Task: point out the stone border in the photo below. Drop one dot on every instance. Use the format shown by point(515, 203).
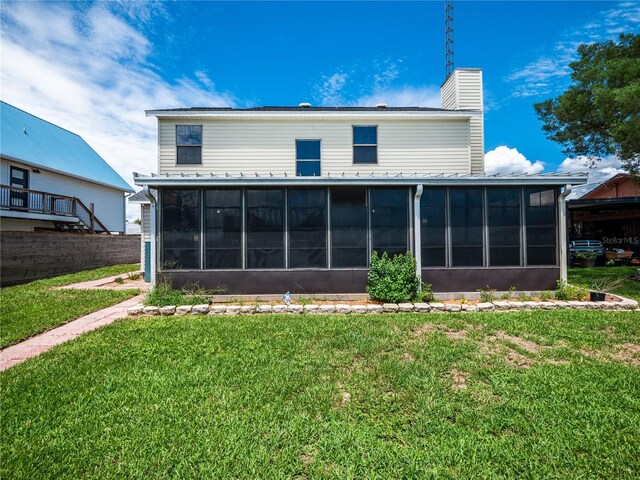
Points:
point(434, 307)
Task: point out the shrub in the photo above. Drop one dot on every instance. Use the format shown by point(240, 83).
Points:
point(426, 295)
point(393, 279)
point(564, 291)
point(546, 295)
point(487, 295)
point(163, 294)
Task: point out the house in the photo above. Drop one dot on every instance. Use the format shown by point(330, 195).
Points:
point(51, 179)
point(610, 213)
point(275, 199)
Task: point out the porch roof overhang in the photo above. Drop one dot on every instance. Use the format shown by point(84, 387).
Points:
point(369, 179)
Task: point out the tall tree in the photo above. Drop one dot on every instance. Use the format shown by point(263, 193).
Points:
point(599, 114)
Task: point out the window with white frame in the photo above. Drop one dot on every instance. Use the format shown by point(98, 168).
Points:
point(189, 144)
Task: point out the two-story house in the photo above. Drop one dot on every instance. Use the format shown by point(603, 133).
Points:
point(275, 199)
point(51, 179)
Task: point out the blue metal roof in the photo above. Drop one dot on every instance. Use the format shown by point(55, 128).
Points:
point(25, 137)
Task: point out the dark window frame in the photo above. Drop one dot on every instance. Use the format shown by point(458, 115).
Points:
point(209, 252)
point(190, 146)
point(356, 146)
point(335, 245)
point(294, 233)
point(162, 226)
point(308, 160)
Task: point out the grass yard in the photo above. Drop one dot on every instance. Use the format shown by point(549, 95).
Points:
point(585, 277)
point(537, 394)
point(32, 308)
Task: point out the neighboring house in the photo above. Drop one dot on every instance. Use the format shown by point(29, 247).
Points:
point(609, 213)
point(141, 199)
point(276, 199)
point(51, 179)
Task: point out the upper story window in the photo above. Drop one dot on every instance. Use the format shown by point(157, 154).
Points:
point(308, 158)
point(365, 144)
point(189, 144)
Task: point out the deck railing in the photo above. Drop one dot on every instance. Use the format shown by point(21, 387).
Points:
point(34, 201)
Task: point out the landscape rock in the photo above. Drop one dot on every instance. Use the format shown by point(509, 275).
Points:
point(452, 307)
point(280, 308)
point(327, 309)
point(390, 307)
point(217, 310)
point(135, 310)
point(502, 305)
point(439, 307)
point(151, 310)
point(358, 309)
point(422, 307)
point(247, 309)
point(202, 309)
point(168, 310)
point(374, 309)
point(232, 310)
point(469, 308)
point(343, 308)
point(296, 308)
point(405, 307)
point(312, 308)
point(183, 309)
point(485, 306)
point(265, 309)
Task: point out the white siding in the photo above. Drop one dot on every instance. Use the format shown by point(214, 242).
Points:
point(145, 224)
point(268, 145)
point(108, 202)
point(463, 91)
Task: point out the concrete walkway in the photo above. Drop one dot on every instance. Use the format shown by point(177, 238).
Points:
point(108, 283)
point(34, 346)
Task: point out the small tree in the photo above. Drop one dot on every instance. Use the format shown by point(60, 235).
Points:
point(599, 114)
point(393, 279)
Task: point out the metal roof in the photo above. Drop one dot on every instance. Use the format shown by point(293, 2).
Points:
point(255, 179)
point(138, 197)
point(32, 140)
point(303, 109)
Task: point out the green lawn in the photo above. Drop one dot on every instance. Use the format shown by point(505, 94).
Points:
point(504, 395)
point(33, 307)
point(585, 277)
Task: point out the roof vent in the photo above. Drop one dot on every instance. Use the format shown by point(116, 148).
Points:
point(304, 105)
point(381, 105)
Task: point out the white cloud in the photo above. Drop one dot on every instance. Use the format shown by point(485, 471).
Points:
point(87, 70)
point(548, 73)
point(503, 159)
point(405, 96)
point(598, 171)
point(329, 92)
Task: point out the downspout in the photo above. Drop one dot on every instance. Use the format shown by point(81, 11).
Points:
point(153, 232)
point(562, 220)
point(416, 234)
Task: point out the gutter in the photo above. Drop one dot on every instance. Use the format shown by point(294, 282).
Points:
point(153, 233)
point(562, 221)
point(416, 234)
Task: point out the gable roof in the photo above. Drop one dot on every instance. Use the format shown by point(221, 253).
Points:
point(609, 184)
point(30, 139)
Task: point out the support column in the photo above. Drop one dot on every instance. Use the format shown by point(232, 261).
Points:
point(562, 237)
point(417, 242)
point(153, 233)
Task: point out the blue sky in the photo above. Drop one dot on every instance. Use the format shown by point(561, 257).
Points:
point(94, 67)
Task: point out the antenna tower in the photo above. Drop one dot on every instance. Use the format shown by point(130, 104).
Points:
point(448, 22)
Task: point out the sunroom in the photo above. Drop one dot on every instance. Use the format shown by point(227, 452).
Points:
point(268, 234)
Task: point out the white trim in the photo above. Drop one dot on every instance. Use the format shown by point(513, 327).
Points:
point(289, 114)
point(62, 172)
point(37, 216)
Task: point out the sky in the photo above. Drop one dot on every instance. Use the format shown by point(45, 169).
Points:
point(94, 67)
